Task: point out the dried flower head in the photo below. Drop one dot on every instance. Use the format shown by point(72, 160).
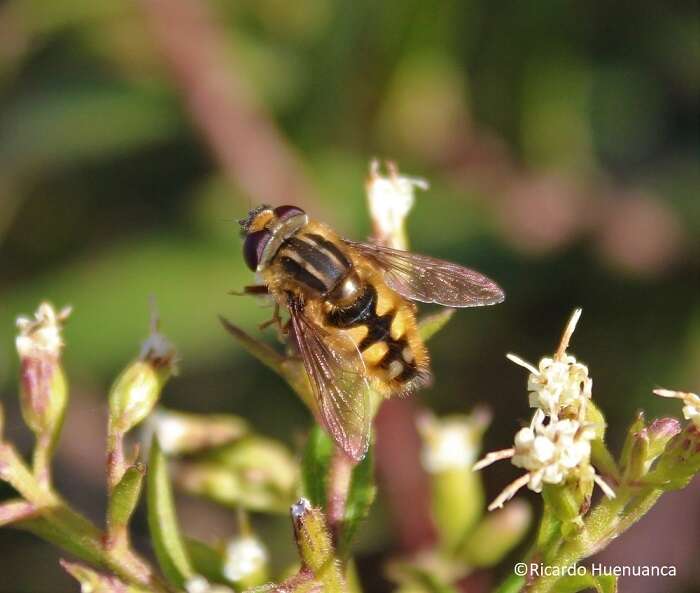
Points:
point(390, 200)
point(41, 336)
point(42, 382)
point(560, 385)
point(691, 401)
point(156, 349)
point(184, 433)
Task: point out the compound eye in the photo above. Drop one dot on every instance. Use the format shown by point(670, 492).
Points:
point(284, 212)
point(253, 247)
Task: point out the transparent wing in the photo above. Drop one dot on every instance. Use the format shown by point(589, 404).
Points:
point(430, 280)
point(338, 377)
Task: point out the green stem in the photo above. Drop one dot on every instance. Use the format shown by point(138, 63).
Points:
point(340, 474)
point(55, 521)
point(41, 461)
point(608, 520)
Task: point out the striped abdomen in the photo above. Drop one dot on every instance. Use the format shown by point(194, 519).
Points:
point(385, 343)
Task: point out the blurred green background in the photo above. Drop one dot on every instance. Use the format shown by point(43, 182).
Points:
point(561, 140)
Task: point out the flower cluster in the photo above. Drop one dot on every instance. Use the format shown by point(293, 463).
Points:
point(556, 447)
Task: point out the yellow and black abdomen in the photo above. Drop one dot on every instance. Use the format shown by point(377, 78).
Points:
point(383, 326)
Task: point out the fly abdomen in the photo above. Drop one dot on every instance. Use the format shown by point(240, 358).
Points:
point(313, 262)
point(396, 358)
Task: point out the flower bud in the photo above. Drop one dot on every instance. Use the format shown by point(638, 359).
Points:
point(183, 433)
point(645, 444)
point(245, 562)
point(255, 473)
point(497, 534)
point(680, 460)
point(636, 465)
point(450, 447)
point(660, 432)
point(137, 389)
point(315, 546)
point(42, 385)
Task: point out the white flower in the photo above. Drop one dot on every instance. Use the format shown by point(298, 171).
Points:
point(691, 409)
point(453, 442)
point(390, 200)
point(244, 556)
point(41, 336)
point(551, 453)
point(560, 383)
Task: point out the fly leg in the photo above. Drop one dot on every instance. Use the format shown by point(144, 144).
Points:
point(254, 289)
point(276, 320)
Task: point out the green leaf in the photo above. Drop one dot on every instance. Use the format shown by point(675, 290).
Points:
point(575, 583)
point(125, 497)
point(432, 324)
point(315, 466)
point(290, 369)
point(360, 498)
point(260, 350)
point(162, 521)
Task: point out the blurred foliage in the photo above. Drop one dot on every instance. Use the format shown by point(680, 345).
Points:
point(561, 141)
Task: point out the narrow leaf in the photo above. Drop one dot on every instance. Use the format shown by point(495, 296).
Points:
point(360, 498)
point(124, 498)
point(432, 324)
point(162, 520)
point(260, 350)
point(290, 369)
point(315, 466)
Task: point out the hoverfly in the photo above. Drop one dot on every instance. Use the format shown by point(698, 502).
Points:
point(350, 310)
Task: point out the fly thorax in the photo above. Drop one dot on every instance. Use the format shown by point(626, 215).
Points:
point(314, 262)
point(347, 291)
